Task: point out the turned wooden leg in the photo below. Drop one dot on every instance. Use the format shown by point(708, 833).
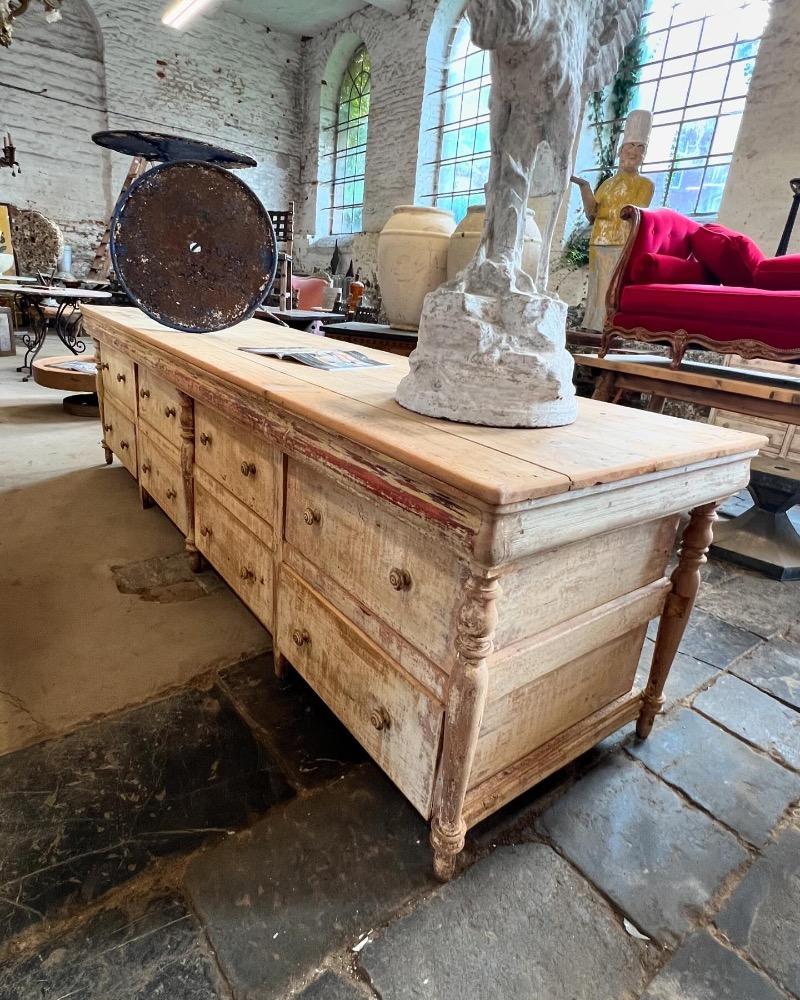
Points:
point(677, 608)
point(466, 698)
point(101, 365)
point(604, 390)
point(187, 475)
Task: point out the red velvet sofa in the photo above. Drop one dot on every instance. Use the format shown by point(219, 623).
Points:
point(683, 284)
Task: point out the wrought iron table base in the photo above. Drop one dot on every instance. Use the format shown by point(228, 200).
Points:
point(67, 329)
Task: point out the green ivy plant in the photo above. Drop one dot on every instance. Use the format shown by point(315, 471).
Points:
point(607, 111)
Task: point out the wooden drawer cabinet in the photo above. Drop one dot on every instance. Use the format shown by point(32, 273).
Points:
point(160, 476)
point(244, 463)
point(120, 435)
point(160, 406)
point(395, 720)
point(240, 558)
point(470, 601)
point(119, 378)
point(380, 559)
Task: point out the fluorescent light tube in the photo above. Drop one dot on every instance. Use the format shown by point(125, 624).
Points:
point(181, 12)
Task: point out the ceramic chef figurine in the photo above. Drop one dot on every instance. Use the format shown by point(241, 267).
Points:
point(602, 207)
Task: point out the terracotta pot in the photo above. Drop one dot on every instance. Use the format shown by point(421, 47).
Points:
point(412, 260)
point(464, 242)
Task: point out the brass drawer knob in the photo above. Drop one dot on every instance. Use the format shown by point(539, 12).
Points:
point(206, 532)
point(169, 411)
point(144, 393)
point(123, 445)
point(311, 516)
point(246, 573)
point(248, 469)
point(171, 494)
point(145, 467)
point(205, 439)
point(120, 377)
point(380, 719)
point(400, 579)
point(108, 427)
point(103, 366)
point(300, 637)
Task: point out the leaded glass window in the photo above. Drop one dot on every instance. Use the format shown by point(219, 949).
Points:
point(694, 75)
point(351, 147)
point(462, 165)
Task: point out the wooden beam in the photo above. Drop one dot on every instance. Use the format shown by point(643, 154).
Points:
point(392, 6)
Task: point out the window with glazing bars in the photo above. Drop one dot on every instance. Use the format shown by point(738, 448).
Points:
point(462, 165)
point(694, 73)
point(351, 147)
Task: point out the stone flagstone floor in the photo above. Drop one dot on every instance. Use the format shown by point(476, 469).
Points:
point(236, 844)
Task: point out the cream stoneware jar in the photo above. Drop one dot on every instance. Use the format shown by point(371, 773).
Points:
point(412, 260)
point(464, 242)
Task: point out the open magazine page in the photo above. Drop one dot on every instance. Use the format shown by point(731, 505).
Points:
point(326, 360)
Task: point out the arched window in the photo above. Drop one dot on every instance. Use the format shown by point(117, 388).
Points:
point(694, 73)
point(461, 167)
point(350, 156)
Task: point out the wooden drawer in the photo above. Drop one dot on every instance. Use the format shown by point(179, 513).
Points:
point(243, 462)
point(160, 406)
point(396, 721)
point(241, 559)
point(120, 435)
point(772, 429)
point(119, 377)
point(160, 474)
point(385, 563)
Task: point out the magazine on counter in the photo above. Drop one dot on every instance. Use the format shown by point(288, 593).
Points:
point(84, 367)
point(328, 361)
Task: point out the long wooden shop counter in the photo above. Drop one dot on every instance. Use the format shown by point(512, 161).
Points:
point(471, 602)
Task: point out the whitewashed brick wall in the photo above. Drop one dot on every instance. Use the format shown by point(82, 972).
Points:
point(113, 65)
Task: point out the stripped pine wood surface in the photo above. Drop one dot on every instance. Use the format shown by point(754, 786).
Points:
point(471, 602)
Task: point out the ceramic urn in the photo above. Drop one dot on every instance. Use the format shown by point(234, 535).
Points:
point(465, 239)
point(412, 260)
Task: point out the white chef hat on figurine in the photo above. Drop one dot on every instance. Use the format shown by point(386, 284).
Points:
point(637, 127)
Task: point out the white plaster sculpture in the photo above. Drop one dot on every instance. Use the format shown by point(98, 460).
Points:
point(491, 346)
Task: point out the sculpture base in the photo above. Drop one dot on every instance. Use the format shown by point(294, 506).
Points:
point(493, 361)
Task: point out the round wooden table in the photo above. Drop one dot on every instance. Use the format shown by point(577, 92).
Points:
point(46, 372)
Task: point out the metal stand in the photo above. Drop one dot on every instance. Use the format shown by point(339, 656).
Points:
point(764, 537)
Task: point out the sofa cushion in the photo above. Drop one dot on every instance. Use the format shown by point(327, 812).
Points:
point(731, 256)
point(662, 268)
point(779, 273)
point(714, 302)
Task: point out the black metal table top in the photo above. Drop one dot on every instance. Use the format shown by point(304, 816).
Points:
point(158, 146)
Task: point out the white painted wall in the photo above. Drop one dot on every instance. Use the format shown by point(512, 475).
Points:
point(114, 65)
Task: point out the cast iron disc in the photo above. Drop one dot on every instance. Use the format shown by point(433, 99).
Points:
point(171, 148)
point(193, 247)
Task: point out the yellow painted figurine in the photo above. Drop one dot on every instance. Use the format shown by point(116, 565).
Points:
point(602, 208)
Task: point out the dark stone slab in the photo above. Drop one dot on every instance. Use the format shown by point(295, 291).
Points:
point(91, 810)
point(165, 579)
point(658, 858)
point(744, 789)
point(295, 725)
point(124, 954)
point(702, 969)
point(752, 601)
point(329, 986)
point(756, 716)
point(712, 640)
point(686, 675)
point(519, 923)
point(315, 875)
point(775, 668)
point(763, 915)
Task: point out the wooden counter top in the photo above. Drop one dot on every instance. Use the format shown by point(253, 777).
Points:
point(497, 466)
